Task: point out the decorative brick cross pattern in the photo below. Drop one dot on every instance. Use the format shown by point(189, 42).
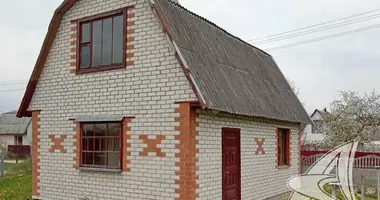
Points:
point(57, 143)
point(152, 145)
point(260, 143)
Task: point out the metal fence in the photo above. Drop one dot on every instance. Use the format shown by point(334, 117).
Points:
point(365, 170)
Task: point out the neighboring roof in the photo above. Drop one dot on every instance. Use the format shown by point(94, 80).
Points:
point(11, 112)
point(321, 112)
point(10, 124)
point(226, 73)
point(229, 74)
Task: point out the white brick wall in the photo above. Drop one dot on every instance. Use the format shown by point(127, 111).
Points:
point(7, 140)
point(260, 179)
point(148, 91)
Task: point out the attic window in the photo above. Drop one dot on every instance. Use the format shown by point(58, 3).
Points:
point(101, 43)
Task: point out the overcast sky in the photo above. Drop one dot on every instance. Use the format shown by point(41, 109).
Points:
point(319, 69)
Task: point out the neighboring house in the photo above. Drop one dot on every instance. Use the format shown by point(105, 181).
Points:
point(137, 99)
point(15, 131)
point(314, 132)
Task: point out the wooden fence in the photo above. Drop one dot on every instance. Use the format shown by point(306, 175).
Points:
point(19, 151)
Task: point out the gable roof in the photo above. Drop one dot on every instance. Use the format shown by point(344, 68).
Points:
point(10, 124)
point(227, 73)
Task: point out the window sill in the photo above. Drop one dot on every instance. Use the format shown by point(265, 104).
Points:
point(100, 69)
point(99, 170)
point(283, 167)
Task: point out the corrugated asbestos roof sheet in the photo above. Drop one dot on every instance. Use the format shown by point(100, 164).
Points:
point(10, 124)
point(231, 75)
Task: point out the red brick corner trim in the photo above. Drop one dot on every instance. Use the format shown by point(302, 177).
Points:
point(35, 153)
point(73, 49)
point(57, 143)
point(126, 136)
point(130, 37)
point(187, 152)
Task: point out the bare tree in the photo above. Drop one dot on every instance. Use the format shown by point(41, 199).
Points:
point(352, 117)
point(294, 87)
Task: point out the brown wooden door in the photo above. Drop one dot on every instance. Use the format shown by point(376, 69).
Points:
point(231, 164)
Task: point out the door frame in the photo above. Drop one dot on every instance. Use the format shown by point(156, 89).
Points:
point(236, 131)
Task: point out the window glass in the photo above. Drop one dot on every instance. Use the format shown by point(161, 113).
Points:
point(116, 145)
point(110, 145)
point(90, 144)
point(113, 159)
point(107, 42)
point(97, 43)
point(100, 159)
point(103, 145)
point(118, 27)
point(100, 129)
point(88, 129)
point(97, 144)
point(87, 158)
point(85, 33)
point(114, 129)
point(85, 57)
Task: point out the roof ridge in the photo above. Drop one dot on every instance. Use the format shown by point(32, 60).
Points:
point(216, 26)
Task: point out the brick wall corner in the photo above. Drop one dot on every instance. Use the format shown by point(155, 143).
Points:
point(187, 152)
point(35, 153)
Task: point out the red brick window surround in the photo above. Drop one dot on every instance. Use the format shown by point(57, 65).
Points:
point(101, 145)
point(283, 147)
point(101, 42)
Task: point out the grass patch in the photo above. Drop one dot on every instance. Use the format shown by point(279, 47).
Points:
point(8, 165)
point(16, 187)
point(22, 167)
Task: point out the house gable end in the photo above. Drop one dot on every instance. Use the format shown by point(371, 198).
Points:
point(63, 26)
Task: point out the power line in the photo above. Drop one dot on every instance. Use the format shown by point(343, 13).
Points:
point(315, 25)
point(15, 83)
point(11, 90)
point(12, 81)
point(324, 37)
point(279, 38)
